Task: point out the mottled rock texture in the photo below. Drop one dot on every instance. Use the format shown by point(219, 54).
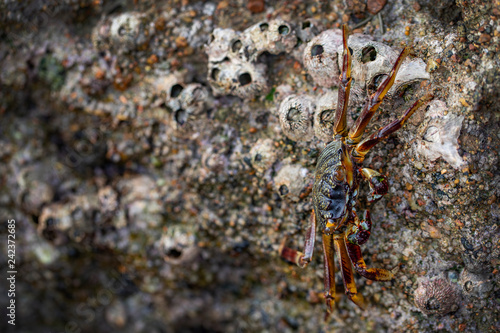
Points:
point(144, 202)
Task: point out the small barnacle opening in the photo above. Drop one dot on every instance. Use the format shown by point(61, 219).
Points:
point(181, 116)
point(50, 222)
point(293, 115)
point(122, 31)
point(283, 30)
point(283, 190)
point(263, 27)
point(368, 54)
point(317, 50)
point(306, 24)
point(49, 235)
point(176, 90)
point(236, 46)
point(173, 253)
point(214, 75)
point(327, 116)
point(377, 81)
point(245, 79)
point(197, 94)
point(432, 304)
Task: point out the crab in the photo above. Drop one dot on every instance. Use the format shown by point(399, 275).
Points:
point(338, 175)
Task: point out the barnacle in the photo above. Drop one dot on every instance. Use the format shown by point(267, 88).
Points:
point(411, 71)
point(308, 29)
point(263, 155)
point(178, 245)
point(320, 58)
point(72, 220)
point(238, 78)
point(475, 284)
point(324, 115)
point(371, 61)
point(275, 36)
point(108, 198)
point(291, 181)
point(440, 136)
point(296, 117)
point(436, 296)
point(123, 32)
point(224, 43)
point(233, 57)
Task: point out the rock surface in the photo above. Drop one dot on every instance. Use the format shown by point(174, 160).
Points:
point(145, 201)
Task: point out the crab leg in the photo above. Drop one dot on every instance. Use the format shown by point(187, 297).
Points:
point(372, 104)
point(340, 126)
point(329, 268)
point(297, 257)
point(377, 274)
point(346, 269)
point(364, 146)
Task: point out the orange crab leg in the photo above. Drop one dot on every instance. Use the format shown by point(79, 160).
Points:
point(340, 126)
point(364, 146)
point(329, 268)
point(374, 102)
point(297, 257)
point(376, 274)
point(347, 275)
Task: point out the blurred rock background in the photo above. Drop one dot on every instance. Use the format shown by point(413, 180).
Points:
point(149, 199)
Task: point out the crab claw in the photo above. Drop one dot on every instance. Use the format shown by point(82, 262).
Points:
point(378, 184)
point(360, 231)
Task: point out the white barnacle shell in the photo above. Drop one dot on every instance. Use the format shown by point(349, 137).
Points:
point(194, 98)
point(324, 115)
point(440, 136)
point(411, 71)
point(296, 117)
point(167, 85)
point(308, 29)
point(305, 31)
point(263, 155)
point(186, 109)
point(290, 181)
point(178, 245)
point(222, 44)
point(371, 61)
point(239, 78)
point(320, 57)
point(275, 36)
point(127, 31)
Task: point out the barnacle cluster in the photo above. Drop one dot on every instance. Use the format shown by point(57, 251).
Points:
point(185, 103)
point(301, 115)
point(234, 64)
